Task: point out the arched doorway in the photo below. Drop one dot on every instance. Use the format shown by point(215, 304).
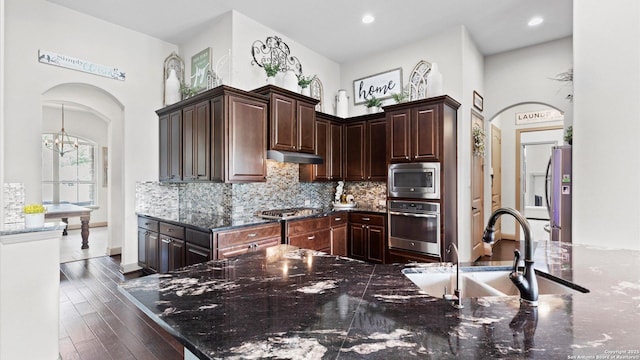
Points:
point(514, 127)
point(102, 105)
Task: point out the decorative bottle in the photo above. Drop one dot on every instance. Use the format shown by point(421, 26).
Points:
point(342, 104)
point(434, 81)
point(172, 88)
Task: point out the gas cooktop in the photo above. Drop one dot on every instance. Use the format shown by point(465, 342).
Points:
point(288, 213)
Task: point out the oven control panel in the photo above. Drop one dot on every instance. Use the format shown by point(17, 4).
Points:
point(419, 207)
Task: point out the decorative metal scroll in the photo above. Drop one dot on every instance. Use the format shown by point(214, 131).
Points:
point(418, 81)
point(317, 92)
point(275, 51)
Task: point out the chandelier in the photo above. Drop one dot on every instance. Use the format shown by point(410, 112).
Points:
point(61, 142)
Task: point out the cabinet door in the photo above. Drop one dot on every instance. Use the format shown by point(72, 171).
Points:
point(196, 254)
point(339, 240)
point(357, 241)
point(164, 250)
point(171, 147)
point(247, 140)
point(323, 148)
point(306, 127)
point(377, 150)
point(142, 243)
point(195, 135)
point(399, 136)
point(425, 131)
point(283, 123)
point(218, 139)
point(335, 150)
point(376, 243)
point(354, 164)
point(176, 254)
point(151, 250)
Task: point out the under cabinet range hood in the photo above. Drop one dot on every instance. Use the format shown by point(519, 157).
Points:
point(294, 157)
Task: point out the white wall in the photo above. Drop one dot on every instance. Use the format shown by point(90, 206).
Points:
point(38, 24)
point(2, 91)
point(606, 169)
point(248, 77)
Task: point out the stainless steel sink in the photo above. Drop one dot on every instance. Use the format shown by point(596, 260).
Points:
point(476, 282)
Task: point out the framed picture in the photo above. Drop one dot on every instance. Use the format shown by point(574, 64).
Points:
point(200, 64)
point(477, 101)
point(381, 85)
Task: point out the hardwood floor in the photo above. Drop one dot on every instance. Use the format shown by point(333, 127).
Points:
point(97, 322)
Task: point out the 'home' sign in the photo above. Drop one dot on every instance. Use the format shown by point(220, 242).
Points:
point(381, 85)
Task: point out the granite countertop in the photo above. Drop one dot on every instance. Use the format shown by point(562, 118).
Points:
point(303, 304)
point(20, 228)
point(212, 222)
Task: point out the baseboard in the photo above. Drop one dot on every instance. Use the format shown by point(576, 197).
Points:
point(114, 251)
point(129, 268)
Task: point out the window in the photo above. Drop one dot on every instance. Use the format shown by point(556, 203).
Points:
point(70, 178)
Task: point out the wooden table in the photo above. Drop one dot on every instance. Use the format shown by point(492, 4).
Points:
point(64, 212)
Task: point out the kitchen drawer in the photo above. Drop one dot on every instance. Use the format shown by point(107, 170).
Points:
point(339, 219)
point(317, 240)
point(301, 226)
point(147, 223)
point(235, 250)
point(368, 219)
point(246, 235)
point(174, 231)
point(199, 238)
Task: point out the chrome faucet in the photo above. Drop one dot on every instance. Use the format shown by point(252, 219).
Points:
point(525, 281)
point(456, 297)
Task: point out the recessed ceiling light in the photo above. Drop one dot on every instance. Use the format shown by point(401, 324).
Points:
point(368, 19)
point(535, 21)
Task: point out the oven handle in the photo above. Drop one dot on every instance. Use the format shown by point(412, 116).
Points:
point(430, 215)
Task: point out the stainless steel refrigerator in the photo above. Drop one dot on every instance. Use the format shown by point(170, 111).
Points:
point(559, 191)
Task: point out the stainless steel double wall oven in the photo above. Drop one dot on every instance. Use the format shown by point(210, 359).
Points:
point(413, 207)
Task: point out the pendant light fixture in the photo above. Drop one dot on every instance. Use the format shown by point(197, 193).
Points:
point(61, 142)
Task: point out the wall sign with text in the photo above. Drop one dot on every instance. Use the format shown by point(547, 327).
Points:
point(531, 117)
point(200, 64)
point(74, 63)
point(381, 85)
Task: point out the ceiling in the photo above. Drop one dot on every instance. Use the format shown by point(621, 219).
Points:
point(334, 29)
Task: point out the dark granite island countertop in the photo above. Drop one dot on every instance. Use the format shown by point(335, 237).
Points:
point(298, 304)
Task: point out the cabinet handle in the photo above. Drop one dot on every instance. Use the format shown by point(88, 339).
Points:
point(170, 230)
point(147, 224)
point(366, 219)
point(406, 157)
point(474, 208)
point(252, 235)
point(311, 237)
point(338, 219)
point(166, 241)
point(363, 226)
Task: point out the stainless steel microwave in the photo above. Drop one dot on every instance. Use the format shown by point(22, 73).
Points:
point(414, 180)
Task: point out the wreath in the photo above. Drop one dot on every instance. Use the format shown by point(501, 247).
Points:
point(479, 137)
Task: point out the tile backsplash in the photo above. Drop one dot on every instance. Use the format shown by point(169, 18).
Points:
point(281, 190)
point(14, 199)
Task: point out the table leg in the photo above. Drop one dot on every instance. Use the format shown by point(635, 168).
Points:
point(66, 225)
point(84, 231)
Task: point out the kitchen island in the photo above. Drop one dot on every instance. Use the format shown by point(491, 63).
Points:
point(293, 303)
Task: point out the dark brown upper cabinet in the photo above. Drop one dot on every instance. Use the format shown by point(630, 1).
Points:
point(217, 135)
point(292, 119)
point(329, 142)
point(171, 146)
point(365, 147)
point(417, 130)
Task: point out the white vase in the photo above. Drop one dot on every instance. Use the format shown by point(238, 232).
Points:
point(34, 220)
point(271, 80)
point(434, 81)
point(290, 81)
point(342, 104)
point(306, 91)
point(172, 88)
point(372, 110)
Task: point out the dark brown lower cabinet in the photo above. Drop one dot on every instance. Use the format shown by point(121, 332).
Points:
point(313, 233)
point(339, 234)
point(236, 242)
point(367, 237)
point(148, 244)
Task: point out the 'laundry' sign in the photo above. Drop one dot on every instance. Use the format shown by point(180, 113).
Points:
point(538, 116)
point(70, 62)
